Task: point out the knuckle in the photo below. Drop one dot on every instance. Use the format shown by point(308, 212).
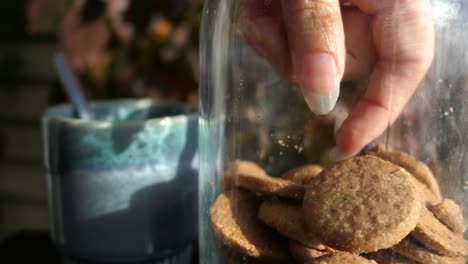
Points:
point(313, 9)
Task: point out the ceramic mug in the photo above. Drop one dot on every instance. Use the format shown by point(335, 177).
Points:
point(123, 187)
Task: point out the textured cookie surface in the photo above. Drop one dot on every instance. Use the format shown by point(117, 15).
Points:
point(425, 195)
point(303, 253)
point(418, 169)
point(288, 220)
point(389, 257)
point(234, 220)
point(361, 205)
point(449, 213)
point(246, 176)
point(340, 258)
point(240, 167)
point(436, 236)
point(302, 174)
point(266, 185)
point(412, 250)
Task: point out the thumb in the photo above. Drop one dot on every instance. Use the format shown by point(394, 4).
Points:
point(314, 30)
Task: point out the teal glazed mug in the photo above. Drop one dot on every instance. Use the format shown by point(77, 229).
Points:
point(123, 187)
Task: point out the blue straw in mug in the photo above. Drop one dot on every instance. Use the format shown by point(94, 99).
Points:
point(72, 87)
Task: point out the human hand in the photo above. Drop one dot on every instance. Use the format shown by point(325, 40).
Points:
point(318, 43)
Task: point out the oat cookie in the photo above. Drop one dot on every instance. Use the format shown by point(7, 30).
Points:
point(413, 250)
point(234, 220)
point(262, 184)
point(303, 253)
point(302, 174)
point(240, 167)
point(389, 257)
point(418, 169)
point(340, 258)
point(436, 236)
point(426, 196)
point(288, 220)
point(361, 205)
point(449, 213)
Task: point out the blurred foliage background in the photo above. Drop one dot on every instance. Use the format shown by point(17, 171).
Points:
point(119, 48)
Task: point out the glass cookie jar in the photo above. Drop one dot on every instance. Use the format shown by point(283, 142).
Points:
point(271, 187)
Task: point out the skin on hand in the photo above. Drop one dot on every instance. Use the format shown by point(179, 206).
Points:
point(318, 43)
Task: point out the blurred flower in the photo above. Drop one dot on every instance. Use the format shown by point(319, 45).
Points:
point(181, 36)
point(116, 7)
point(160, 28)
point(98, 72)
point(84, 44)
point(176, 44)
point(116, 12)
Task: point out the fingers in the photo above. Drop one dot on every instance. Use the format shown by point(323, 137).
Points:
point(264, 31)
point(404, 39)
point(305, 40)
point(360, 50)
point(315, 36)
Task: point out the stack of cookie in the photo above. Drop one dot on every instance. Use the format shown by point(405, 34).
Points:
point(382, 207)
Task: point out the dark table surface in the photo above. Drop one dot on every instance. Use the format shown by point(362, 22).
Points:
point(35, 246)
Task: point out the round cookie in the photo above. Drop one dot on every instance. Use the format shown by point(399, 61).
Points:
point(234, 220)
point(340, 258)
point(436, 236)
point(303, 253)
point(418, 169)
point(412, 250)
point(240, 167)
point(426, 196)
point(244, 167)
point(450, 214)
point(288, 220)
point(302, 174)
point(361, 205)
point(263, 184)
point(250, 176)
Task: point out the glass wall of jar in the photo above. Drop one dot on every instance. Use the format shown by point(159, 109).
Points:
point(255, 127)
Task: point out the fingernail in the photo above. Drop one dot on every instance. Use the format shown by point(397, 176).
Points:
point(337, 155)
point(319, 81)
point(321, 104)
